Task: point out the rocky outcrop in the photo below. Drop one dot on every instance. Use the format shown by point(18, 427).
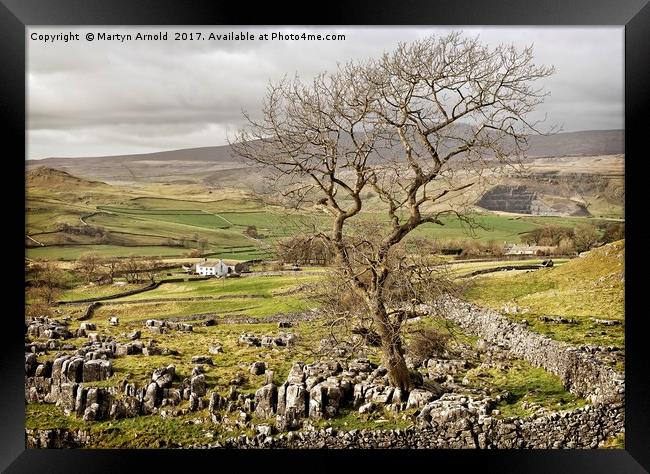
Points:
point(281, 340)
point(48, 328)
point(508, 198)
point(56, 438)
point(162, 326)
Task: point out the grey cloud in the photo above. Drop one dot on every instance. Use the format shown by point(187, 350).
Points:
point(105, 98)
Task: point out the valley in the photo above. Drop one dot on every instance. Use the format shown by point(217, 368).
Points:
point(251, 359)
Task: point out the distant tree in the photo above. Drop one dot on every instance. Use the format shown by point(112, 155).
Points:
point(131, 268)
point(305, 249)
point(46, 286)
point(88, 266)
point(495, 248)
point(151, 268)
point(251, 231)
point(37, 309)
point(614, 231)
point(548, 235)
point(418, 127)
point(202, 245)
point(47, 274)
point(47, 283)
point(111, 265)
point(566, 247)
point(584, 237)
point(46, 295)
point(472, 248)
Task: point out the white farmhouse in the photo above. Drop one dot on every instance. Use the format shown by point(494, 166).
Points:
point(216, 268)
point(525, 249)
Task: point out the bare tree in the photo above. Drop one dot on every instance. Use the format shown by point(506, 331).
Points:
point(111, 266)
point(304, 249)
point(47, 282)
point(88, 266)
point(418, 127)
point(202, 245)
point(131, 268)
point(151, 268)
point(585, 236)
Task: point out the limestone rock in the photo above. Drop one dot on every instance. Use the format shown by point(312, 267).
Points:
point(197, 385)
point(97, 369)
point(215, 349)
point(258, 368)
point(418, 398)
point(202, 359)
point(266, 401)
point(164, 377)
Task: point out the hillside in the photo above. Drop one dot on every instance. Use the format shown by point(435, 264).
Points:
point(584, 289)
point(218, 166)
point(47, 177)
point(583, 143)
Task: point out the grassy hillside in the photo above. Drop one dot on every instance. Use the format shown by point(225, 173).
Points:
point(67, 216)
point(588, 287)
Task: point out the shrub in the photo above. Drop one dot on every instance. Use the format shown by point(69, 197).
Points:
point(428, 344)
point(566, 247)
point(614, 231)
point(585, 236)
point(251, 231)
point(550, 235)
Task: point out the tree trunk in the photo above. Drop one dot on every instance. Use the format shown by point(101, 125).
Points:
point(392, 351)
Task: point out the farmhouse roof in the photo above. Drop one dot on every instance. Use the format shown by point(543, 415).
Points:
point(210, 263)
point(528, 247)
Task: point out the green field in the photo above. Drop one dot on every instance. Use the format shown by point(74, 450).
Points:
point(165, 308)
point(461, 268)
point(146, 226)
point(97, 291)
point(582, 289)
point(493, 227)
point(72, 252)
point(262, 286)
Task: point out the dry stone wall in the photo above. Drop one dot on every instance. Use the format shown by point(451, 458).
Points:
point(584, 428)
point(581, 373)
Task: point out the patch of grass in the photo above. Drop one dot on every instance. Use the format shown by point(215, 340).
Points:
point(349, 419)
point(582, 289)
point(459, 268)
point(525, 384)
point(97, 291)
point(73, 252)
point(262, 286)
point(614, 442)
point(133, 433)
point(257, 307)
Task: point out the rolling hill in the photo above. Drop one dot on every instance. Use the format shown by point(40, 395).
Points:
point(219, 166)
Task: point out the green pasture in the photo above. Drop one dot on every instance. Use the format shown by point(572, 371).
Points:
point(263, 286)
point(73, 252)
point(587, 288)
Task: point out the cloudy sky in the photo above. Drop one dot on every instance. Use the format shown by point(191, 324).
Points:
point(93, 98)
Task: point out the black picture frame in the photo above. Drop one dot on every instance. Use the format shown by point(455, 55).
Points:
point(15, 15)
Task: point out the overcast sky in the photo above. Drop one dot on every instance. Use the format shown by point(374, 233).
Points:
point(108, 98)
